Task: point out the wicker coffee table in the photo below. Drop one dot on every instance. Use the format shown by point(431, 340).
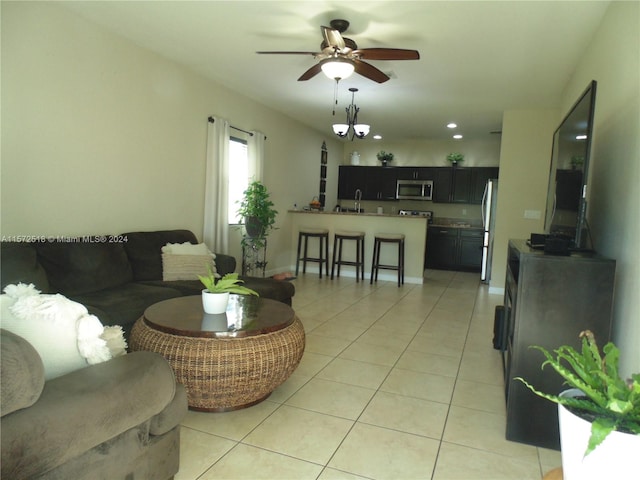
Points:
point(226, 361)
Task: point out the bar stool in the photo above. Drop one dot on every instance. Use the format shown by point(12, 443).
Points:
point(338, 238)
point(322, 234)
point(381, 238)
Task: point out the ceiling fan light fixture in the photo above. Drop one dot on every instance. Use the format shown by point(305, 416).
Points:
point(337, 68)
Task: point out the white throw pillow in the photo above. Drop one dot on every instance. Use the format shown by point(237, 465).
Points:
point(185, 261)
point(187, 248)
point(63, 333)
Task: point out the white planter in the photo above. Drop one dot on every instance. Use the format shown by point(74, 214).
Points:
point(616, 457)
point(214, 302)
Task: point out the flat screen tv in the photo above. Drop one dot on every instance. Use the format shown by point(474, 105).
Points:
point(567, 194)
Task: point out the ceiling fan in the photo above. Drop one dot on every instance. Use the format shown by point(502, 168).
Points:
point(339, 51)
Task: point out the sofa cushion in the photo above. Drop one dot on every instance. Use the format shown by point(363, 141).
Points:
point(126, 303)
point(21, 373)
point(269, 288)
point(144, 250)
point(187, 267)
point(20, 264)
point(76, 268)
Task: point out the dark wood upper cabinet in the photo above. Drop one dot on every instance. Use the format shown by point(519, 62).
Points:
point(375, 183)
point(479, 182)
point(416, 173)
point(462, 184)
point(450, 184)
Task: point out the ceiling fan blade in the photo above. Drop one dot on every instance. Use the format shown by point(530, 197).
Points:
point(312, 72)
point(387, 54)
point(369, 71)
point(288, 53)
point(333, 38)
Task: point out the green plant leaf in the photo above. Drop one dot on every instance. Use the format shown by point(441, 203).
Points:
point(229, 283)
point(600, 428)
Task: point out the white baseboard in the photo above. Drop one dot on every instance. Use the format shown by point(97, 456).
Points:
point(496, 291)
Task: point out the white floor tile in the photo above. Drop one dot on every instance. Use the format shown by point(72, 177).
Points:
point(394, 383)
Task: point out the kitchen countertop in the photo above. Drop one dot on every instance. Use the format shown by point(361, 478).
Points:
point(364, 214)
point(454, 225)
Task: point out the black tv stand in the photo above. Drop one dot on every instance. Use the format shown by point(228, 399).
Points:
point(548, 301)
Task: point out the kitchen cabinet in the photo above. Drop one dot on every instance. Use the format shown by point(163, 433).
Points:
point(548, 301)
point(450, 184)
point(442, 185)
point(380, 183)
point(375, 183)
point(416, 173)
point(350, 179)
point(470, 248)
point(479, 178)
point(454, 248)
point(462, 184)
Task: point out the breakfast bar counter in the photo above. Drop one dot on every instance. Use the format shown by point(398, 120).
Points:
point(414, 228)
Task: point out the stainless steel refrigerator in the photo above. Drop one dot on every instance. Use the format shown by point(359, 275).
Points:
point(489, 202)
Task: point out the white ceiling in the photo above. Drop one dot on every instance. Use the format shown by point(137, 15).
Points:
point(478, 58)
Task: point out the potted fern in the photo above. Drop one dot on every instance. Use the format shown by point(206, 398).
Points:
point(599, 416)
point(215, 296)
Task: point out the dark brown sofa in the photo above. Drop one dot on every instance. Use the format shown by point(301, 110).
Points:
point(116, 277)
point(115, 420)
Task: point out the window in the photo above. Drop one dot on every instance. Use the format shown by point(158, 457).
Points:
point(238, 176)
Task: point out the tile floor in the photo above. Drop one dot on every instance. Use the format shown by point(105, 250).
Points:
point(395, 383)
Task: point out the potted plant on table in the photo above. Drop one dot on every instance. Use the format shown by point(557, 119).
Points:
point(384, 157)
point(215, 296)
point(599, 416)
point(257, 212)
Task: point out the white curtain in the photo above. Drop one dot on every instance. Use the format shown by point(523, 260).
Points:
point(216, 197)
point(255, 153)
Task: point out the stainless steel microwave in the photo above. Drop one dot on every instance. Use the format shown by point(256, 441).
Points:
point(414, 190)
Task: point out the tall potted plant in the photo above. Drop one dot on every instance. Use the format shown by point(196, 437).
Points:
point(599, 416)
point(256, 210)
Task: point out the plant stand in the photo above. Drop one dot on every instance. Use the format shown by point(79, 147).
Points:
point(254, 256)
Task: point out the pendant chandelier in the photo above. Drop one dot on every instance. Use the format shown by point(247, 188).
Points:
point(359, 130)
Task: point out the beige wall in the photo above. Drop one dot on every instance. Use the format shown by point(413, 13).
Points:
point(101, 136)
point(613, 60)
point(428, 153)
point(524, 172)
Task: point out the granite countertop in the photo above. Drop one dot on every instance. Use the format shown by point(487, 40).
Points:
point(456, 223)
point(355, 214)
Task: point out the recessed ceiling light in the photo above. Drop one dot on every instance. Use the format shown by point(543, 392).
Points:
point(452, 125)
point(377, 137)
point(457, 136)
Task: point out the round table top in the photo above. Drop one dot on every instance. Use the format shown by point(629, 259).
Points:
point(246, 315)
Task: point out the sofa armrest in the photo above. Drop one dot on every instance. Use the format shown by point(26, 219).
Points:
point(21, 373)
point(83, 409)
point(225, 263)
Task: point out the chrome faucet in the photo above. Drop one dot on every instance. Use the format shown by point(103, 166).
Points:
point(358, 200)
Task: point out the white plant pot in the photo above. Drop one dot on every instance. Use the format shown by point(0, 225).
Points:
point(214, 302)
point(616, 457)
